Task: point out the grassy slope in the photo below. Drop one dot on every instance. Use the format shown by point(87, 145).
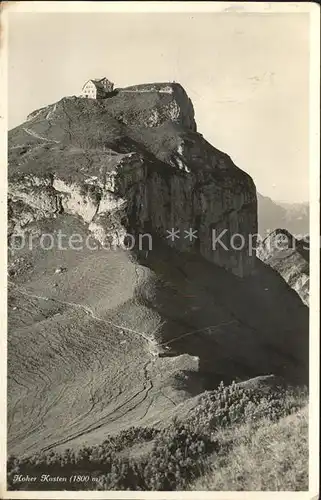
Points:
point(271, 457)
point(77, 138)
point(92, 378)
point(77, 141)
point(234, 439)
point(72, 376)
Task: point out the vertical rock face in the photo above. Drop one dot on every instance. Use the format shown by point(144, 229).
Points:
point(210, 215)
point(134, 162)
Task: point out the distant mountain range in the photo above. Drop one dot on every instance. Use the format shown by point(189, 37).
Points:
point(274, 214)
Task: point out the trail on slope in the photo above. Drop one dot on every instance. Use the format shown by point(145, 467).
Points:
point(85, 308)
point(37, 136)
point(88, 310)
point(135, 399)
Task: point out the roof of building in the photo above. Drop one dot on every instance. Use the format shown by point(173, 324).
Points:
point(99, 82)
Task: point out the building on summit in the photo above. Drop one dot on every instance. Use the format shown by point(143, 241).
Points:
point(97, 89)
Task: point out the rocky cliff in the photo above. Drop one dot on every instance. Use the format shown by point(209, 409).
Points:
point(290, 258)
point(132, 163)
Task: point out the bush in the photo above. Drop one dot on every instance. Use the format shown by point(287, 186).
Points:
point(175, 457)
point(233, 404)
point(95, 461)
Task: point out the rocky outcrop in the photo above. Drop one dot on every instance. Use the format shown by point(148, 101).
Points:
point(165, 101)
point(134, 162)
point(290, 258)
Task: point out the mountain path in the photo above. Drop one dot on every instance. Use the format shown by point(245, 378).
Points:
point(140, 396)
point(88, 310)
point(37, 136)
point(85, 308)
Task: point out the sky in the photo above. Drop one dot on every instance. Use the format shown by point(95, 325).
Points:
point(247, 75)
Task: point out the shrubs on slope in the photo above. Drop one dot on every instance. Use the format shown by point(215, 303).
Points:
point(178, 453)
point(233, 404)
point(271, 457)
point(175, 457)
point(85, 468)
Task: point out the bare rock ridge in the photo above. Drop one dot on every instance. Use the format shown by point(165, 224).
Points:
point(132, 163)
point(290, 258)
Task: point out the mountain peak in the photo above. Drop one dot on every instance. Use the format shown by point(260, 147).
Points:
point(137, 145)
